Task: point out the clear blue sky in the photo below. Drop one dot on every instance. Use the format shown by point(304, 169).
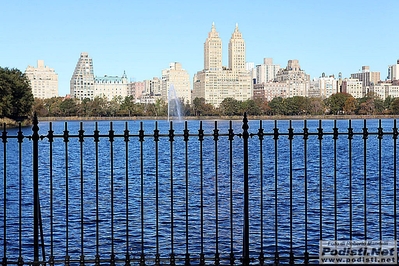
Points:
point(143, 37)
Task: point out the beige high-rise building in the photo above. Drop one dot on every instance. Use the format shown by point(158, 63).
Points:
point(384, 89)
point(298, 82)
point(237, 51)
point(213, 51)
point(177, 78)
point(269, 90)
point(323, 87)
point(43, 80)
point(366, 76)
point(266, 72)
point(393, 71)
point(215, 82)
point(354, 87)
point(82, 80)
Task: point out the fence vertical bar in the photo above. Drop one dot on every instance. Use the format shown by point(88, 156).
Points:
point(395, 137)
point(350, 137)
point(320, 138)
point(66, 140)
point(231, 138)
point(171, 140)
point(365, 137)
point(141, 139)
point(215, 139)
point(20, 140)
point(81, 140)
point(380, 137)
point(50, 137)
point(335, 137)
point(261, 137)
point(275, 138)
point(290, 138)
point(126, 140)
point(111, 146)
point(4, 139)
point(35, 165)
point(305, 156)
point(201, 140)
point(156, 140)
point(96, 140)
point(245, 136)
point(186, 135)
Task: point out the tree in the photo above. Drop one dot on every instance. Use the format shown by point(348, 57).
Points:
point(230, 106)
point(128, 105)
point(379, 106)
point(97, 106)
point(277, 106)
point(336, 102)
point(114, 105)
point(367, 107)
point(68, 107)
point(53, 106)
point(387, 102)
point(202, 108)
point(39, 107)
point(250, 107)
point(84, 107)
point(316, 106)
point(16, 98)
point(350, 105)
point(395, 106)
point(295, 105)
point(161, 107)
point(186, 109)
point(263, 106)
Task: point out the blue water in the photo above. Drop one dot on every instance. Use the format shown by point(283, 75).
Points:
point(84, 167)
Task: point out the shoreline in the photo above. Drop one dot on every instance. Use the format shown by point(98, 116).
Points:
point(203, 118)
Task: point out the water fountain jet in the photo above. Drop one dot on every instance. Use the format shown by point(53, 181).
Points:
point(174, 104)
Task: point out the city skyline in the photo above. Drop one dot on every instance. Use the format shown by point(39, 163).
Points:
point(144, 38)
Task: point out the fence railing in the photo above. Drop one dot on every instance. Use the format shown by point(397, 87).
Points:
point(194, 192)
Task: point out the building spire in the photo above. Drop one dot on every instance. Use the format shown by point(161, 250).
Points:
point(213, 33)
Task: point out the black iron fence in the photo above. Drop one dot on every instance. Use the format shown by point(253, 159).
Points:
point(197, 192)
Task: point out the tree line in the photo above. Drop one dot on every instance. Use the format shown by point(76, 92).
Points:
point(16, 101)
point(336, 104)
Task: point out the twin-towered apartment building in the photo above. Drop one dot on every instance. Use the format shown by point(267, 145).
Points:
point(239, 80)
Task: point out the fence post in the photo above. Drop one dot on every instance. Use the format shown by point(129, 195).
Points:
point(35, 166)
point(245, 136)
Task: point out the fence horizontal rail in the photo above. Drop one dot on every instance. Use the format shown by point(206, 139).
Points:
point(194, 192)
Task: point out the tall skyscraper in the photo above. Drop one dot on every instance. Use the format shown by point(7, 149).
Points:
point(237, 51)
point(82, 81)
point(213, 51)
point(216, 82)
point(43, 80)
